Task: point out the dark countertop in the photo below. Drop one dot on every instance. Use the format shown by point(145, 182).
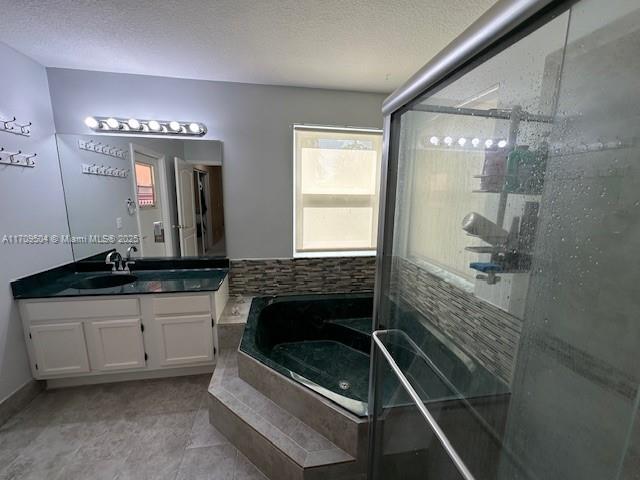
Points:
point(59, 283)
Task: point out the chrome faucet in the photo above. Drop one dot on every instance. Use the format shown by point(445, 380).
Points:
point(128, 262)
point(116, 264)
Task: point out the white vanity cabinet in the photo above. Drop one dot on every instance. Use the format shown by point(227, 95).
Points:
point(73, 340)
point(183, 325)
point(58, 349)
point(115, 344)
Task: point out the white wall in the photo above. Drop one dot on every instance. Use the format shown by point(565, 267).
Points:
point(253, 121)
point(32, 202)
point(94, 202)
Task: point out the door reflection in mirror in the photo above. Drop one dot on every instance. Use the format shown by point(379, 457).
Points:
point(170, 204)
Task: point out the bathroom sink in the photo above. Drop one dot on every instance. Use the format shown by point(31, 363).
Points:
point(104, 281)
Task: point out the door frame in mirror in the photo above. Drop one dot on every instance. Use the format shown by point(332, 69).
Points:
point(164, 196)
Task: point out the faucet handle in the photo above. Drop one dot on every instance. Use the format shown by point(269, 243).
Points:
point(126, 265)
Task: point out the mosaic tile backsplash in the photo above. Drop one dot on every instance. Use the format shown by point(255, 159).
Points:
point(302, 275)
point(484, 331)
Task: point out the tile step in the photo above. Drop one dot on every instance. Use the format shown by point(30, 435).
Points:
point(343, 428)
point(277, 442)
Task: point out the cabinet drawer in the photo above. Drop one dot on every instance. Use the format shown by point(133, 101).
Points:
point(78, 309)
point(181, 304)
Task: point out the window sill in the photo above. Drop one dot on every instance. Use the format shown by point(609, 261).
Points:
point(338, 253)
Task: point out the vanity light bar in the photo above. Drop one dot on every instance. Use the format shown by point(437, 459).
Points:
point(474, 142)
point(150, 127)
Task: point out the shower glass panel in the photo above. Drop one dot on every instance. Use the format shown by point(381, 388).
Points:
point(509, 298)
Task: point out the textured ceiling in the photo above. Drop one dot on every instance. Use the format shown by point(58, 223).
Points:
point(366, 45)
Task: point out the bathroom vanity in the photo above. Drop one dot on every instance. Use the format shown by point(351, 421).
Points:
point(161, 324)
point(146, 227)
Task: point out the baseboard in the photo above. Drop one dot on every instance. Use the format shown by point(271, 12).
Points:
point(19, 399)
point(127, 376)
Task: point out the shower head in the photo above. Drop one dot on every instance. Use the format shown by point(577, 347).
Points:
point(483, 228)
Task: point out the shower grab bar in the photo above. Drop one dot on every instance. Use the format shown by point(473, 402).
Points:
point(431, 421)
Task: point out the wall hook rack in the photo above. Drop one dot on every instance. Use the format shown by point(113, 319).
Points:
point(104, 149)
point(12, 126)
point(105, 171)
point(17, 159)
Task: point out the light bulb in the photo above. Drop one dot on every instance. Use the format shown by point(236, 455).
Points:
point(175, 126)
point(462, 141)
point(113, 123)
point(154, 125)
point(91, 122)
point(194, 128)
point(475, 142)
point(434, 140)
point(502, 143)
point(448, 140)
point(488, 143)
point(134, 124)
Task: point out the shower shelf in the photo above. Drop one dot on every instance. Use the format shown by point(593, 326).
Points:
point(510, 193)
point(485, 249)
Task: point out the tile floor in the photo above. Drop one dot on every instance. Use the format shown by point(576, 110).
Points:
point(150, 429)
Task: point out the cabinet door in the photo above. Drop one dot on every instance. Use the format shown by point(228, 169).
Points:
point(116, 344)
point(185, 339)
point(59, 348)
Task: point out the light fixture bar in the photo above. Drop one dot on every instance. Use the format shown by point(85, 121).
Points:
point(145, 127)
point(470, 143)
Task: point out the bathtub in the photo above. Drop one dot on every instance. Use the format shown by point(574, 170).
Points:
point(323, 342)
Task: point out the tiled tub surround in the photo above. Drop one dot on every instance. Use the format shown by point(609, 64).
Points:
point(323, 342)
point(281, 399)
point(318, 340)
point(279, 441)
point(486, 332)
point(231, 323)
point(302, 275)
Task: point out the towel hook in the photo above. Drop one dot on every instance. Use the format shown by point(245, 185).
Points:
point(25, 129)
point(6, 123)
point(13, 155)
point(29, 159)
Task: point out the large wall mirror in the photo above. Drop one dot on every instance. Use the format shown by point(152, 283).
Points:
point(163, 196)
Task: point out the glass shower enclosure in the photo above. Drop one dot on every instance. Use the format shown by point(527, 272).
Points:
point(507, 308)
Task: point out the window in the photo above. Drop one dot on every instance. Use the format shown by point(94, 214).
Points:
point(447, 180)
point(336, 181)
point(145, 186)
